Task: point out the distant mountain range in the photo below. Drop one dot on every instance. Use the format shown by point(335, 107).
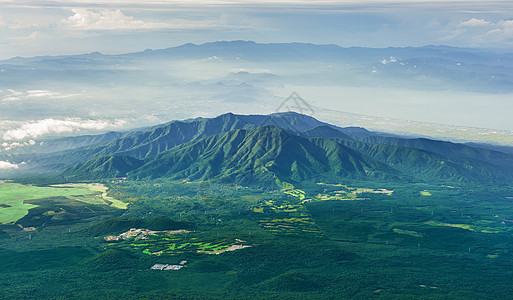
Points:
point(258, 149)
point(433, 66)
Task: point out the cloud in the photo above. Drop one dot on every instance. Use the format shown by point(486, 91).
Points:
point(9, 146)
point(48, 94)
point(31, 36)
point(10, 95)
point(474, 23)
point(481, 32)
point(39, 128)
point(115, 19)
point(5, 165)
point(390, 61)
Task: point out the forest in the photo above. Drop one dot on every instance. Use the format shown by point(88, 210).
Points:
point(420, 240)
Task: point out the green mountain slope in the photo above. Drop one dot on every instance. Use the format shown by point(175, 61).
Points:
point(247, 150)
point(149, 142)
point(103, 167)
point(446, 148)
point(258, 156)
point(429, 166)
point(325, 132)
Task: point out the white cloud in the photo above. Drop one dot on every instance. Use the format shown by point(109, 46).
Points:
point(48, 94)
point(39, 128)
point(10, 95)
point(15, 93)
point(115, 19)
point(391, 60)
point(5, 165)
point(13, 145)
point(481, 32)
point(474, 23)
point(10, 98)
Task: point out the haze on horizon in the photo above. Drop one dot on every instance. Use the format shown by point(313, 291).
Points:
point(184, 89)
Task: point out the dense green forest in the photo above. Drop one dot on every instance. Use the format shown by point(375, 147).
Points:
point(321, 240)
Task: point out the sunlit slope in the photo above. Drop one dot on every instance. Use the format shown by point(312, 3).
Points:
point(260, 155)
point(288, 146)
point(433, 167)
point(104, 167)
point(445, 148)
point(146, 143)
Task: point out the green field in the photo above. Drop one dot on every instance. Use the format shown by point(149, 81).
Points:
point(171, 242)
point(15, 198)
point(95, 194)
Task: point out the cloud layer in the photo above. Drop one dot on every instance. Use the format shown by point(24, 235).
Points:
point(39, 128)
point(115, 19)
point(9, 95)
point(482, 32)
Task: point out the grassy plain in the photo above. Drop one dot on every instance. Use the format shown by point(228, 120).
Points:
point(17, 199)
point(96, 194)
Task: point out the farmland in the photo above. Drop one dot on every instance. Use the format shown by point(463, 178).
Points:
point(171, 242)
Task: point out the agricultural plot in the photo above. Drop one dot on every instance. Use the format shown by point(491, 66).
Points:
point(425, 193)
point(345, 193)
point(291, 226)
point(479, 226)
point(283, 217)
point(171, 242)
point(288, 188)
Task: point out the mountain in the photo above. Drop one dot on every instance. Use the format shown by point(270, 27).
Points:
point(257, 149)
point(326, 132)
point(424, 159)
point(261, 155)
point(446, 148)
point(69, 143)
point(491, 154)
point(446, 67)
point(103, 167)
point(146, 143)
point(429, 166)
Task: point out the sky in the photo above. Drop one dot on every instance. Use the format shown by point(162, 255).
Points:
point(31, 28)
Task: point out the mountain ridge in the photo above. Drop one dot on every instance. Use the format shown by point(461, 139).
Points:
point(233, 147)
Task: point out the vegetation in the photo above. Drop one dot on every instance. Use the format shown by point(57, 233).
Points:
point(395, 245)
point(16, 199)
point(261, 213)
